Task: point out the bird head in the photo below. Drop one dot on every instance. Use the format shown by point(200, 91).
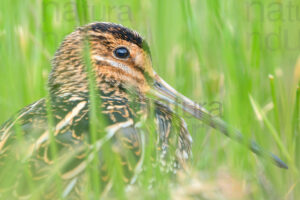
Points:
point(118, 55)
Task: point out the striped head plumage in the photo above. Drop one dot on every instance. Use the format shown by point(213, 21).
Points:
point(130, 94)
point(119, 56)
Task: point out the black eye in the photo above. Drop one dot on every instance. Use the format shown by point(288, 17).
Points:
point(121, 52)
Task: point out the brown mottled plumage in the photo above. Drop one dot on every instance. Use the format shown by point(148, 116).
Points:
point(122, 85)
point(127, 88)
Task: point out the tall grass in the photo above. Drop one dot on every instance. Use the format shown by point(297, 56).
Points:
point(242, 55)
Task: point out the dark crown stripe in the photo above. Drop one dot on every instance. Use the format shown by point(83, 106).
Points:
point(120, 32)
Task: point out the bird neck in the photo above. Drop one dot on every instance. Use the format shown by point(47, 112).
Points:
point(106, 88)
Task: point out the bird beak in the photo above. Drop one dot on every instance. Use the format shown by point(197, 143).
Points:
point(164, 92)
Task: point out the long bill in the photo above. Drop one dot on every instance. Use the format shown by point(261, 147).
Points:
point(166, 93)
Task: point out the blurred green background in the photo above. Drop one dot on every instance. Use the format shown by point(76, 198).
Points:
point(237, 58)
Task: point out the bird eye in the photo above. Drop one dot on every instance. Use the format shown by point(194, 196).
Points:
point(121, 52)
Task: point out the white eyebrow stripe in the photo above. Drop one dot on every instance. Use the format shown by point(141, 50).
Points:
point(114, 64)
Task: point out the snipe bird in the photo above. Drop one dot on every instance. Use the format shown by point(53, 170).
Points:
point(124, 82)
